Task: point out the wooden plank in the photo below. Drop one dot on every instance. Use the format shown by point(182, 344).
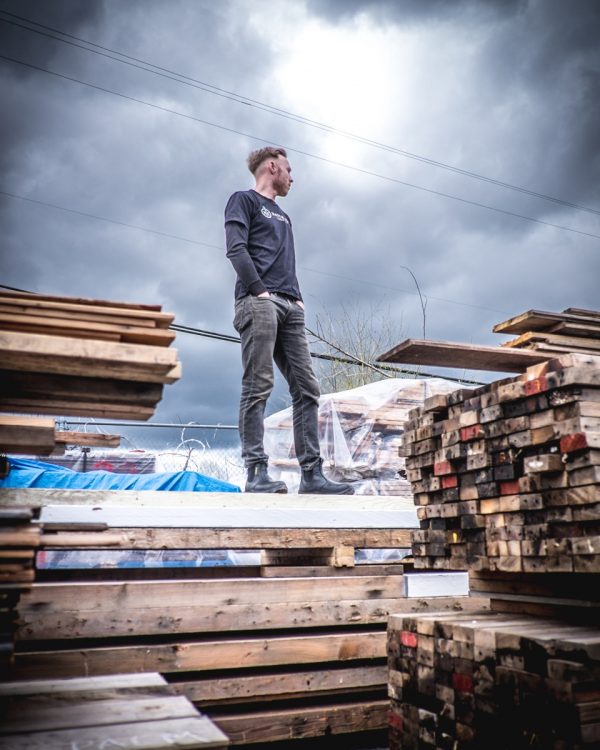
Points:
point(27, 435)
point(164, 518)
point(49, 712)
point(203, 655)
point(298, 723)
point(540, 320)
point(393, 567)
point(79, 408)
point(188, 620)
point(96, 439)
point(552, 339)
point(588, 330)
point(579, 311)
point(37, 386)
point(101, 597)
point(144, 681)
point(89, 316)
point(81, 357)
point(36, 498)
point(52, 326)
point(448, 354)
point(198, 732)
point(230, 538)
point(36, 305)
point(72, 624)
point(222, 689)
point(78, 300)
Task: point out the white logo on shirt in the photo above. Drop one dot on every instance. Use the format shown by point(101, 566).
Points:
point(273, 215)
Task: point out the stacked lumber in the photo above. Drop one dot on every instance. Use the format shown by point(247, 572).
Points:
point(506, 477)
point(123, 711)
point(292, 648)
point(492, 681)
point(542, 335)
point(19, 539)
point(572, 330)
point(82, 357)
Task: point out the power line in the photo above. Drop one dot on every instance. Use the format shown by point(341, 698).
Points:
point(158, 70)
point(222, 249)
point(304, 153)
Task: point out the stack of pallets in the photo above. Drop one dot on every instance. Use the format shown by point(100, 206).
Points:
point(78, 357)
point(506, 478)
point(492, 681)
point(19, 539)
point(572, 330)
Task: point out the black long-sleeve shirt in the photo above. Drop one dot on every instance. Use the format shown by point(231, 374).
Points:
point(260, 245)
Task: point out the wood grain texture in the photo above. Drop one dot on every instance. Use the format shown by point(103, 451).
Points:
point(448, 354)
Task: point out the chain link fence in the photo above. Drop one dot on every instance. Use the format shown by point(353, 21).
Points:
point(211, 450)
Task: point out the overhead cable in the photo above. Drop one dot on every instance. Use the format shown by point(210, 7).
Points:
point(303, 153)
point(150, 67)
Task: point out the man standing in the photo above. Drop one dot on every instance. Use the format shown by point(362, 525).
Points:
point(269, 316)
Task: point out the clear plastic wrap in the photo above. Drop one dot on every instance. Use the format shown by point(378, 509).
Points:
point(360, 431)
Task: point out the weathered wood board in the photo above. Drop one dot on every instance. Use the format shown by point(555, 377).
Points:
point(448, 354)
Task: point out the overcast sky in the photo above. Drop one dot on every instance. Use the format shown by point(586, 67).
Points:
point(507, 90)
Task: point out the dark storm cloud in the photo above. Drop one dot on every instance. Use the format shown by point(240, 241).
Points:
point(21, 114)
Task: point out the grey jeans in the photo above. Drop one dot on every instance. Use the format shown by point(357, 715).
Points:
point(272, 330)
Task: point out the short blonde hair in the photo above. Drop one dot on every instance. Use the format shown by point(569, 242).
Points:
point(256, 158)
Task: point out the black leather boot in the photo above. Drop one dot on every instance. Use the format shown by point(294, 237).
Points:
point(314, 483)
point(260, 481)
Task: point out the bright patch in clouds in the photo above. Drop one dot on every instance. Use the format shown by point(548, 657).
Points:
point(346, 77)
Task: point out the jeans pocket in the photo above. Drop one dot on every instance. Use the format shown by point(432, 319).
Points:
point(242, 316)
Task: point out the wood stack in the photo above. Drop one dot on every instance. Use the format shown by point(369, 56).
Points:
point(492, 681)
point(573, 330)
point(506, 481)
point(291, 649)
point(124, 711)
point(506, 477)
point(82, 357)
point(19, 539)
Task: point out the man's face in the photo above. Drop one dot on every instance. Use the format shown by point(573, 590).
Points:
point(282, 180)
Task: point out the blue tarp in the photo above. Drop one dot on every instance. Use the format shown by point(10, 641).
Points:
point(27, 473)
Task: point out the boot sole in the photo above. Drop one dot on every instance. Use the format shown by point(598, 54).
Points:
point(313, 492)
point(266, 492)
